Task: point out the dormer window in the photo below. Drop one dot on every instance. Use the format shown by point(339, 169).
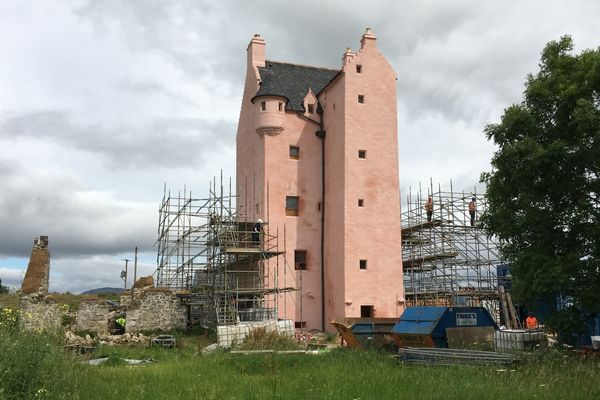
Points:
point(263, 106)
point(311, 108)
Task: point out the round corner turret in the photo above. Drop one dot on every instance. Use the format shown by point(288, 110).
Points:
point(270, 114)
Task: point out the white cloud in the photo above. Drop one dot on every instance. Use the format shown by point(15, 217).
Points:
point(11, 277)
point(78, 274)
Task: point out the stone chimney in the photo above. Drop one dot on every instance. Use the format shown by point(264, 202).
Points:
point(37, 276)
point(348, 56)
point(256, 52)
point(368, 39)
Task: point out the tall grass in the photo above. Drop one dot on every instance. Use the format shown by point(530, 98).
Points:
point(341, 374)
point(35, 366)
point(262, 339)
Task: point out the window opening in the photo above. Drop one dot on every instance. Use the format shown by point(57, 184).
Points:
point(362, 264)
point(263, 106)
point(291, 206)
point(359, 69)
point(311, 108)
point(361, 202)
point(294, 152)
point(361, 98)
point(362, 154)
point(300, 260)
point(367, 311)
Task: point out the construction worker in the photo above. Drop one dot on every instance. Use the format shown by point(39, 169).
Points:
point(429, 208)
point(256, 232)
point(472, 209)
point(120, 324)
point(531, 322)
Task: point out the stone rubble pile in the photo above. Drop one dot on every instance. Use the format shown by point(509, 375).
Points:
point(127, 338)
point(110, 340)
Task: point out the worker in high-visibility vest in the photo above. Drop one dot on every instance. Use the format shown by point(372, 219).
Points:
point(429, 208)
point(531, 322)
point(121, 322)
point(472, 209)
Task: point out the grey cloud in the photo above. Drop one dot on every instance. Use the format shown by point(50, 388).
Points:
point(159, 143)
point(37, 202)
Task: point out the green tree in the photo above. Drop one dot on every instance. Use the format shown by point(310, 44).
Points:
point(544, 187)
point(3, 289)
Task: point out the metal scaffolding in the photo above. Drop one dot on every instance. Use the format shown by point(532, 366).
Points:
point(226, 266)
point(448, 261)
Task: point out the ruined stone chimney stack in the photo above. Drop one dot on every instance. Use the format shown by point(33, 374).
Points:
point(37, 276)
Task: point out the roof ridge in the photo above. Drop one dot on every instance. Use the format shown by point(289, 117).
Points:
point(302, 65)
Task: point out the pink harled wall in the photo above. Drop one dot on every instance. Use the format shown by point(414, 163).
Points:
point(250, 154)
point(266, 175)
point(264, 182)
point(372, 232)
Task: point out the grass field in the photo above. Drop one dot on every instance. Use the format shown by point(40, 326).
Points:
point(34, 366)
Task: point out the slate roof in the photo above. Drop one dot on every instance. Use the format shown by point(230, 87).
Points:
point(292, 81)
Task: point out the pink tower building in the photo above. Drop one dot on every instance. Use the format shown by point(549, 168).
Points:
point(317, 160)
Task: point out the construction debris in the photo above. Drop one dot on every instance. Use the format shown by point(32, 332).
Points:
point(165, 341)
point(98, 361)
point(436, 356)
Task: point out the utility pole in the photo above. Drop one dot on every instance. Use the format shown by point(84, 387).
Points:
point(124, 274)
point(134, 271)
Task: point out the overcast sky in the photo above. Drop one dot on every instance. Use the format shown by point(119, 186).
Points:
point(101, 102)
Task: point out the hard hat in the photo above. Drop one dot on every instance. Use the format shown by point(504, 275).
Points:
point(260, 221)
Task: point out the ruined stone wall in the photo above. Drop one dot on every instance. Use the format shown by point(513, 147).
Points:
point(155, 310)
point(39, 314)
point(93, 316)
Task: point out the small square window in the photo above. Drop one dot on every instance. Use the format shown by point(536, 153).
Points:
point(291, 206)
point(300, 324)
point(367, 311)
point(280, 106)
point(361, 202)
point(362, 264)
point(300, 260)
point(311, 108)
point(358, 69)
point(361, 98)
point(362, 154)
point(263, 106)
point(294, 152)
